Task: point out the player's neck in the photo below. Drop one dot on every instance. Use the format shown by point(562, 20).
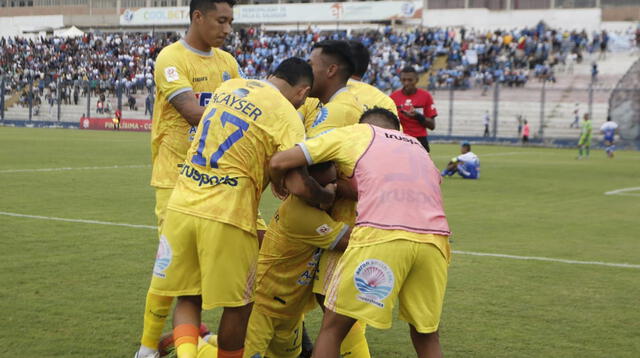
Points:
point(194, 41)
point(409, 92)
point(331, 91)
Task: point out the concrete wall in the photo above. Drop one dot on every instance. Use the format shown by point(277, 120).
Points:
point(485, 19)
point(11, 26)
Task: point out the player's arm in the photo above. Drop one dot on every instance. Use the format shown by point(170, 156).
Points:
point(173, 82)
point(346, 190)
point(289, 174)
point(187, 105)
point(427, 122)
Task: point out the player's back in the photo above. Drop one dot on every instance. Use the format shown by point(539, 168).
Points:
point(398, 185)
point(245, 123)
point(289, 256)
point(180, 68)
point(370, 96)
point(609, 129)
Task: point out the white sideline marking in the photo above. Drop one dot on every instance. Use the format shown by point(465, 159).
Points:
point(514, 257)
point(70, 168)
point(96, 222)
point(623, 191)
point(549, 259)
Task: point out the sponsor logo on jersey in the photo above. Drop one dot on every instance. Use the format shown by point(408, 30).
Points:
point(205, 179)
point(192, 133)
point(203, 98)
point(163, 257)
point(199, 79)
point(374, 280)
point(323, 229)
point(171, 74)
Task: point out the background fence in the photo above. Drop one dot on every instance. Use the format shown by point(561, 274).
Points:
point(549, 109)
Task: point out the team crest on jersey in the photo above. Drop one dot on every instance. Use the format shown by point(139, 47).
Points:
point(323, 229)
point(226, 76)
point(171, 74)
point(321, 117)
point(163, 257)
point(374, 280)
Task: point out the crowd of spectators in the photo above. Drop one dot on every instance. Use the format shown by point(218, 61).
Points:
point(455, 57)
point(66, 68)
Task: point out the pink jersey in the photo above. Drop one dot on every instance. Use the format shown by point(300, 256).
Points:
point(399, 186)
point(525, 130)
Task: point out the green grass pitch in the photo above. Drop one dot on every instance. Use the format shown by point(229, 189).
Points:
point(72, 289)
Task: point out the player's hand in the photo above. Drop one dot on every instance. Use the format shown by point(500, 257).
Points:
point(330, 191)
point(279, 191)
point(409, 111)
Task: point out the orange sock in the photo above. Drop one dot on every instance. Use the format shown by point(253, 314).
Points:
point(185, 337)
point(230, 354)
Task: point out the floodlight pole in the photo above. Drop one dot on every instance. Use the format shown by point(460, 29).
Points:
point(88, 98)
point(58, 95)
point(30, 97)
point(450, 110)
point(2, 98)
point(542, 102)
point(496, 101)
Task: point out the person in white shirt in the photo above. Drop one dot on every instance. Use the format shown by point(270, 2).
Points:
point(467, 164)
point(609, 129)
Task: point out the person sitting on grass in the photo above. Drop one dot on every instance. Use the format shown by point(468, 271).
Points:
point(466, 164)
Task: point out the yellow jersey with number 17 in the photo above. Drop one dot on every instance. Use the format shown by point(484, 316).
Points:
point(369, 96)
point(225, 172)
point(180, 68)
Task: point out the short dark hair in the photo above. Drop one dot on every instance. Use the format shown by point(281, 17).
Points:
point(206, 5)
point(389, 116)
point(340, 51)
point(294, 70)
point(361, 57)
point(409, 69)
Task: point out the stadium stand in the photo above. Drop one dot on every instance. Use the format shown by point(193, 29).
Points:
point(469, 61)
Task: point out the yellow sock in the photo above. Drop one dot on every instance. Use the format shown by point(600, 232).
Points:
point(206, 349)
point(186, 337)
point(355, 344)
point(187, 350)
point(156, 310)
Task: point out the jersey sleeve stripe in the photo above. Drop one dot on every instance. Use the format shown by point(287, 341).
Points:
point(335, 242)
point(307, 155)
point(177, 92)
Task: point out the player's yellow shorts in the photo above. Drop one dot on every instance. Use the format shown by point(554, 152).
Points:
point(369, 279)
point(272, 337)
point(162, 199)
point(197, 256)
point(326, 268)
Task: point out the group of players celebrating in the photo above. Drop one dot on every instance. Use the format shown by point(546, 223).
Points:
point(361, 224)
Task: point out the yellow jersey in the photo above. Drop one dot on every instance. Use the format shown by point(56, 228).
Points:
point(225, 172)
point(369, 96)
point(289, 257)
point(345, 146)
point(342, 110)
point(309, 110)
point(180, 68)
